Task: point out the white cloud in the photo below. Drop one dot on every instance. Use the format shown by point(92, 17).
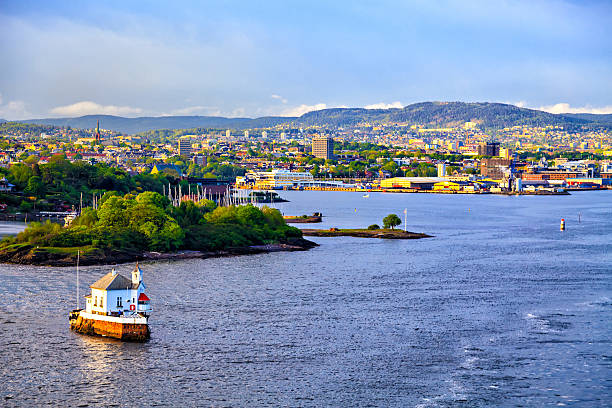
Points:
point(92, 108)
point(566, 108)
point(302, 109)
point(383, 105)
point(237, 113)
point(280, 98)
point(13, 110)
point(194, 110)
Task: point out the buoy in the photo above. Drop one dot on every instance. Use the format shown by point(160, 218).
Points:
point(562, 224)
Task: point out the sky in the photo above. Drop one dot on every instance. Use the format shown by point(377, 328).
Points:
point(250, 59)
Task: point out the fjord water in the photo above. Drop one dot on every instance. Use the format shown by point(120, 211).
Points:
point(500, 308)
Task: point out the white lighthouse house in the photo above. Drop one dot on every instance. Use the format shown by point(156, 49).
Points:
point(115, 295)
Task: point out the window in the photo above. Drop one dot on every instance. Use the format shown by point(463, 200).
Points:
point(119, 302)
point(101, 301)
point(95, 301)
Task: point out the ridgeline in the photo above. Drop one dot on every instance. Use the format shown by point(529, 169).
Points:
point(428, 114)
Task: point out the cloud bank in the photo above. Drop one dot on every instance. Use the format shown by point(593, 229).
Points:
point(566, 108)
point(382, 105)
point(302, 109)
point(91, 108)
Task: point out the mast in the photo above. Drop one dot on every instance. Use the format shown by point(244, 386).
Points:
point(78, 258)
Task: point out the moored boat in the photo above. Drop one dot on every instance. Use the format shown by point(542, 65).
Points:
point(117, 307)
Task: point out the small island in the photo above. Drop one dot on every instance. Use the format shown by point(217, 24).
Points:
point(303, 219)
point(365, 233)
point(127, 228)
point(373, 231)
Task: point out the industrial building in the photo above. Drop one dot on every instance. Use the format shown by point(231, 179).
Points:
point(417, 183)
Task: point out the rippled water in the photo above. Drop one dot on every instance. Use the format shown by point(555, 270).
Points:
point(499, 309)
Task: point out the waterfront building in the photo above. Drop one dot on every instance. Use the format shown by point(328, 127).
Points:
point(323, 147)
point(495, 168)
point(117, 307)
point(184, 146)
point(115, 295)
point(554, 175)
point(275, 179)
point(417, 183)
point(453, 186)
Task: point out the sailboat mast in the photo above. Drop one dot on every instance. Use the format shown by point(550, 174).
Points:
point(77, 298)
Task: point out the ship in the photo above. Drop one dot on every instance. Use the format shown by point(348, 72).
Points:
point(117, 307)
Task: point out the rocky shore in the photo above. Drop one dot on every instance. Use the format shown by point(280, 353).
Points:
point(29, 255)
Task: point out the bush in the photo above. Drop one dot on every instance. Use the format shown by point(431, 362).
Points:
point(374, 227)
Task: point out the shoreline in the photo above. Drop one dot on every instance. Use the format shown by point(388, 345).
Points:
point(53, 259)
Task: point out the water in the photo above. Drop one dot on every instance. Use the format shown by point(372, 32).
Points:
point(499, 309)
point(10, 228)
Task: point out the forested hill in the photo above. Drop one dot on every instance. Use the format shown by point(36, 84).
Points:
point(441, 114)
point(430, 114)
point(597, 118)
point(136, 125)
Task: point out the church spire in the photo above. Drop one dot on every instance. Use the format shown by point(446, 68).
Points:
point(98, 132)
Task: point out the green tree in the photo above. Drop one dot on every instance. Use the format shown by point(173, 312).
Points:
point(391, 221)
point(35, 187)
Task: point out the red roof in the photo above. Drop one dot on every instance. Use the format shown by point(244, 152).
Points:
point(143, 298)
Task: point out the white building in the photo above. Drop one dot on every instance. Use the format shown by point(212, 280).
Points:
point(275, 179)
point(115, 295)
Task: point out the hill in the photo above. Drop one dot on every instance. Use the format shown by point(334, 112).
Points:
point(591, 117)
point(136, 125)
point(429, 114)
point(441, 114)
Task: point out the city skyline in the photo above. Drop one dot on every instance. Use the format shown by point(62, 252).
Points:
point(233, 59)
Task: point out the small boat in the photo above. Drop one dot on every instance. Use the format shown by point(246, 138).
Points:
point(117, 307)
point(366, 195)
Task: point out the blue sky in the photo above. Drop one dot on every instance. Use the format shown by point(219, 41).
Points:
point(230, 58)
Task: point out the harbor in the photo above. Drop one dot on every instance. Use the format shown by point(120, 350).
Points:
point(447, 319)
